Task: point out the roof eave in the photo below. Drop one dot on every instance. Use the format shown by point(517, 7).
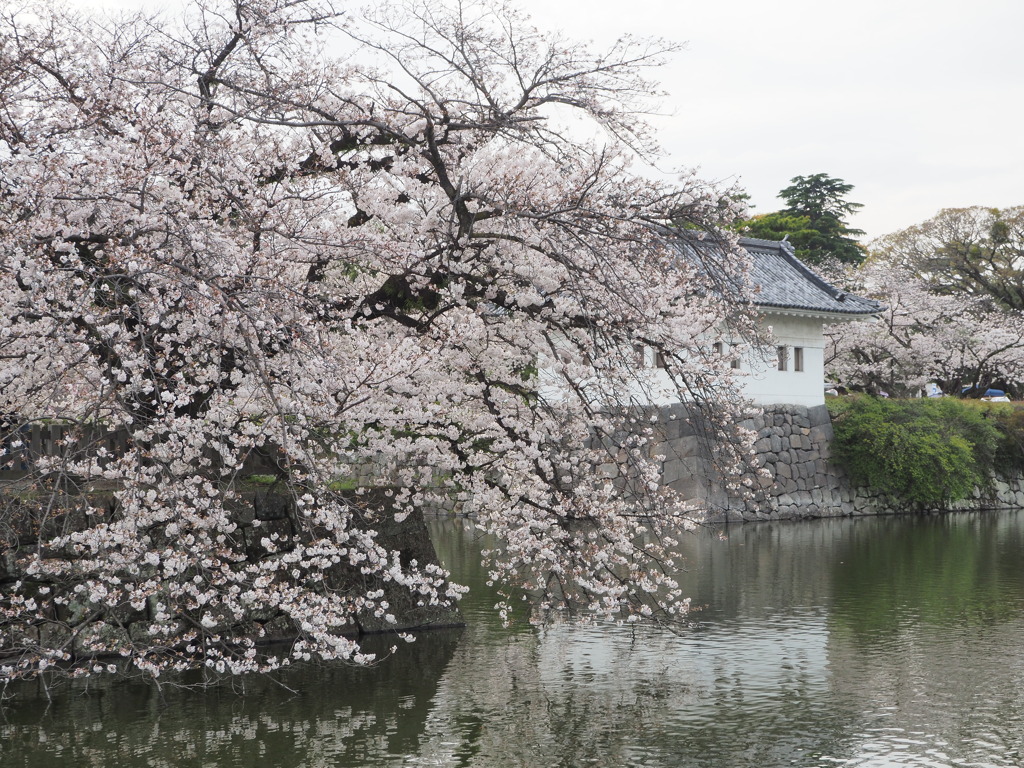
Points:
point(822, 314)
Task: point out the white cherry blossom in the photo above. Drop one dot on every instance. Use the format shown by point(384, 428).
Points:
point(219, 243)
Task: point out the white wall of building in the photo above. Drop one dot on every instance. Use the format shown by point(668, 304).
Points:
point(765, 384)
point(760, 377)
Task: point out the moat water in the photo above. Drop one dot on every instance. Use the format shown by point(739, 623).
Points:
point(855, 642)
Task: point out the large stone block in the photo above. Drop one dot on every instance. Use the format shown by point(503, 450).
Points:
point(273, 506)
point(676, 469)
point(671, 429)
point(685, 448)
point(818, 415)
point(754, 425)
point(690, 488)
point(822, 433)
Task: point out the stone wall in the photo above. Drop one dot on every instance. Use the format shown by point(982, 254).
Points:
point(81, 627)
point(793, 446)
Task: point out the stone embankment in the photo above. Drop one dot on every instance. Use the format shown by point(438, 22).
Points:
point(793, 446)
point(80, 626)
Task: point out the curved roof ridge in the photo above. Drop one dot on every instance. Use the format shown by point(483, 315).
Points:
point(785, 282)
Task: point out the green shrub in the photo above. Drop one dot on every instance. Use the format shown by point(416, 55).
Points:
point(928, 452)
point(1009, 420)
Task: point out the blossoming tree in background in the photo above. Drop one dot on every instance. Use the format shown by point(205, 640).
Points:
point(221, 243)
point(956, 340)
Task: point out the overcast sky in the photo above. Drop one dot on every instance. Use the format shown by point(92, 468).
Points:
point(917, 103)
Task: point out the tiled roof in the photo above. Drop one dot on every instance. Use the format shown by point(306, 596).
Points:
point(782, 281)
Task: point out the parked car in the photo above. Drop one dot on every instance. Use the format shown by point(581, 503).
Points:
point(989, 395)
point(995, 396)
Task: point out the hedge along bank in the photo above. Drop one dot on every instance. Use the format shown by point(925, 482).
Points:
point(859, 456)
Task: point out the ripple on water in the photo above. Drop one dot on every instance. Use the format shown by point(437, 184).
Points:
point(868, 643)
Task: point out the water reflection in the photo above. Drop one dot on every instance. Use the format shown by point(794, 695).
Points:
point(870, 642)
point(927, 628)
point(336, 715)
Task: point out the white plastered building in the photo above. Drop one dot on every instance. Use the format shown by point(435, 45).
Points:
point(795, 304)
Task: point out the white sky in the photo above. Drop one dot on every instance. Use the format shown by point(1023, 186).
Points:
point(917, 103)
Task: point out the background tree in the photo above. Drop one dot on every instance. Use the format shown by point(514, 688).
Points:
point(814, 220)
point(969, 251)
point(220, 243)
point(956, 340)
point(954, 289)
point(821, 198)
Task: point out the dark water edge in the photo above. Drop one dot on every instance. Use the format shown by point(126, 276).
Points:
point(895, 641)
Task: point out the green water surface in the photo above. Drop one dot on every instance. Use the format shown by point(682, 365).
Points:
point(855, 642)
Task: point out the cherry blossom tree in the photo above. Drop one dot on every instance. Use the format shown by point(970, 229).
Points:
point(955, 340)
point(232, 249)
